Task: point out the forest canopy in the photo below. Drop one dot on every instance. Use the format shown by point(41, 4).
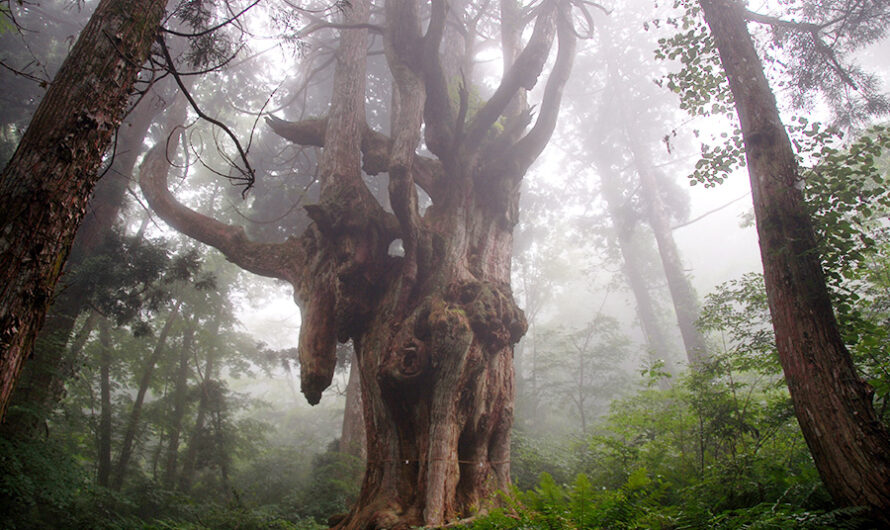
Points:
point(476, 264)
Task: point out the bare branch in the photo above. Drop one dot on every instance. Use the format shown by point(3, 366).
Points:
point(306, 132)
point(439, 112)
point(248, 174)
point(814, 30)
point(528, 148)
point(272, 260)
point(332, 25)
point(522, 75)
point(375, 148)
point(401, 42)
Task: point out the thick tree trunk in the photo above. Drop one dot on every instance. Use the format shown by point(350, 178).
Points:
point(104, 431)
point(46, 185)
point(123, 461)
point(433, 329)
point(437, 384)
point(42, 382)
point(180, 396)
point(850, 446)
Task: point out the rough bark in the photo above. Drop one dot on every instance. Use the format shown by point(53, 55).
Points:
point(42, 382)
point(123, 460)
point(849, 445)
point(104, 431)
point(46, 185)
point(434, 329)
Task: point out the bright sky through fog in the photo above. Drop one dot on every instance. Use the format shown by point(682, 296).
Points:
point(714, 249)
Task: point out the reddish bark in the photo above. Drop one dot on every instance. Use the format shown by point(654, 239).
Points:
point(352, 435)
point(850, 446)
point(434, 329)
point(42, 382)
point(47, 182)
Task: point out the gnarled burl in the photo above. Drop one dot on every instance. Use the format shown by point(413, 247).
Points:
point(434, 329)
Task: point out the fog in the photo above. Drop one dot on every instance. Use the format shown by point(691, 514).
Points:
point(600, 380)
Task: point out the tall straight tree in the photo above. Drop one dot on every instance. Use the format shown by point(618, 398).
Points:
point(434, 328)
point(45, 187)
point(42, 381)
point(849, 444)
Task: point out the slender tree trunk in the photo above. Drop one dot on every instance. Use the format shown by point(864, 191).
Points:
point(46, 185)
point(682, 294)
point(80, 339)
point(190, 461)
point(623, 217)
point(352, 435)
point(850, 446)
point(582, 412)
point(104, 431)
point(602, 146)
point(123, 460)
point(221, 447)
point(180, 395)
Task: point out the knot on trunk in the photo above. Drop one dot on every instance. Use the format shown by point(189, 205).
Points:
point(405, 361)
point(491, 311)
point(375, 155)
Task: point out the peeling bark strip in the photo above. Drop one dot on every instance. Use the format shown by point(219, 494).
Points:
point(434, 329)
point(850, 446)
point(45, 186)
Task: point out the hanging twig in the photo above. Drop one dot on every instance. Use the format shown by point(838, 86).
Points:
point(248, 173)
point(213, 28)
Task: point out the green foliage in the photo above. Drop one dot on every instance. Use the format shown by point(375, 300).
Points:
point(718, 450)
point(848, 196)
point(533, 455)
point(847, 189)
point(39, 481)
point(700, 82)
point(578, 505)
point(332, 487)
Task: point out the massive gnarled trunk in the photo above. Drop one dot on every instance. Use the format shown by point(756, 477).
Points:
point(433, 329)
point(849, 444)
point(45, 187)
